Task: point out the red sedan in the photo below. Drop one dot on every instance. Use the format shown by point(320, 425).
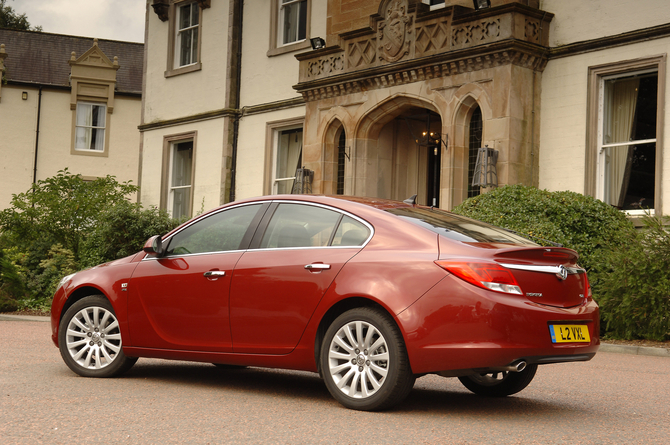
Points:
point(370, 293)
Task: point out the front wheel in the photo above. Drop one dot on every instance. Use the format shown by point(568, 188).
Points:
point(89, 339)
point(364, 361)
point(499, 384)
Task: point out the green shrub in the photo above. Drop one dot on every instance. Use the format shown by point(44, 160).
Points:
point(634, 289)
point(61, 209)
point(11, 284)
point(578, 222)
point(122, 230)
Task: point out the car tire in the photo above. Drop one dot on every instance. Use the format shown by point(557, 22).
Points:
point(499, 384)
point(364, 362)
point(89, 339)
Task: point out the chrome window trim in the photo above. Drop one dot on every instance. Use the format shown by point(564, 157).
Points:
point(166, 241)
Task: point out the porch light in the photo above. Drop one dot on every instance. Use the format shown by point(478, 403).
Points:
point(302, 184)
point(486, 174)
point(317, 43)
point(481, 4)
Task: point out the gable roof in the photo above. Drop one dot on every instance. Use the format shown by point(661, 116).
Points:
point(42, 58)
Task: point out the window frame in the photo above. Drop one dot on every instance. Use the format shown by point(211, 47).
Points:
point(597, 75)
point(273, 129)
point(173, 68)
point(169, 143)
point(276, 46)
point(84, 151)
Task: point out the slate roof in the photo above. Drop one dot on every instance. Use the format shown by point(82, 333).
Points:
point(42, 58)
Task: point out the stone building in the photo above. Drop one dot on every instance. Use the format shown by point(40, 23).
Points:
point(67, 102)
point(402, 97)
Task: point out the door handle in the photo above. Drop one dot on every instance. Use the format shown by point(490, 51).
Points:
point(215, 273)
point(317, 266)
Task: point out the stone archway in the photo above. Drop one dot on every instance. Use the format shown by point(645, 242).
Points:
point(391, 157)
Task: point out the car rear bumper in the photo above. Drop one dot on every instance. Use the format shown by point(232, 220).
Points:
point(457, 326)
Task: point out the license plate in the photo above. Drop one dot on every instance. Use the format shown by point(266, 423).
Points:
point(569, 333)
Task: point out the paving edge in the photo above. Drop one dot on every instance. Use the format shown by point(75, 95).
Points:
point(604, 347)
point(9, 317)
point(634, 350)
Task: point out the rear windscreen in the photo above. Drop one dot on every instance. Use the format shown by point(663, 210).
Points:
point(458, 228)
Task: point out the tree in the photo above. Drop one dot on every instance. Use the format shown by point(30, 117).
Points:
point(62, 209)
point(9, 19)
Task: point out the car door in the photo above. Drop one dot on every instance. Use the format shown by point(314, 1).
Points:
point(180, 300)
point(277, 286)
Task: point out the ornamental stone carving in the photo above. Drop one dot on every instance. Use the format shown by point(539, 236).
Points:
point(393, 33)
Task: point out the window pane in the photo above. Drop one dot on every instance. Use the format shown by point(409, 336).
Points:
point(195, 14)
point(98, 115)
point(82, 138)
point(630, 108)
point(184, 16)
point(182, 164)
point(285, 186)
point(289, 158)
point(185, 42)
point(293, 21)
point(90, 127)
point(84, 117)
point(298, 225)
point(475, 143)
point(181, 202)
point(629, 115)
point(630, 176)
point(457, 227)
point(220, 232)
point(350, 233)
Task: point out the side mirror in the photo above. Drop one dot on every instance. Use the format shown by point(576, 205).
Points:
point(154, 245)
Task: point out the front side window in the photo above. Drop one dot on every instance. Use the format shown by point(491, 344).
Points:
point(187, 34)
point(90, 125)
point(627, 140)
point(292, 21)
point(181, 179)
point(220, 232)
point(288, 157)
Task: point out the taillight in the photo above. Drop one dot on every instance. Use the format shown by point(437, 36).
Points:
point(489, 276)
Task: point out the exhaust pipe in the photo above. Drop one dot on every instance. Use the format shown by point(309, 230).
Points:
point(514, 367)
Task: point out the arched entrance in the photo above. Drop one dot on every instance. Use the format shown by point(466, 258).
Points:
point(398, 152)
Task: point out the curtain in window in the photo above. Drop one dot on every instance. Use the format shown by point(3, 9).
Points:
point(294, 15)
point(90, 127)
point(180, 188)
point(620, 104)
point(289, 151)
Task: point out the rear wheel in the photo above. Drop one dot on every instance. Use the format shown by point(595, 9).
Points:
point(499, 384)
point(89, 339)
point(364, 361)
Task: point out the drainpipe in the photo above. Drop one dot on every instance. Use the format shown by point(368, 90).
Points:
point(37, 135)
point(236, 104)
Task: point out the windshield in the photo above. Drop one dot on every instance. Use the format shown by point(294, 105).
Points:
point(458, 228)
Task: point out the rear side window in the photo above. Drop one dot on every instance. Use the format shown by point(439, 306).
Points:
point(457, 227)
point(302, 225)
point(298, 225)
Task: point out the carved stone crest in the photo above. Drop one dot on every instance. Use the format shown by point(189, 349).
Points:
point(393, 32)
